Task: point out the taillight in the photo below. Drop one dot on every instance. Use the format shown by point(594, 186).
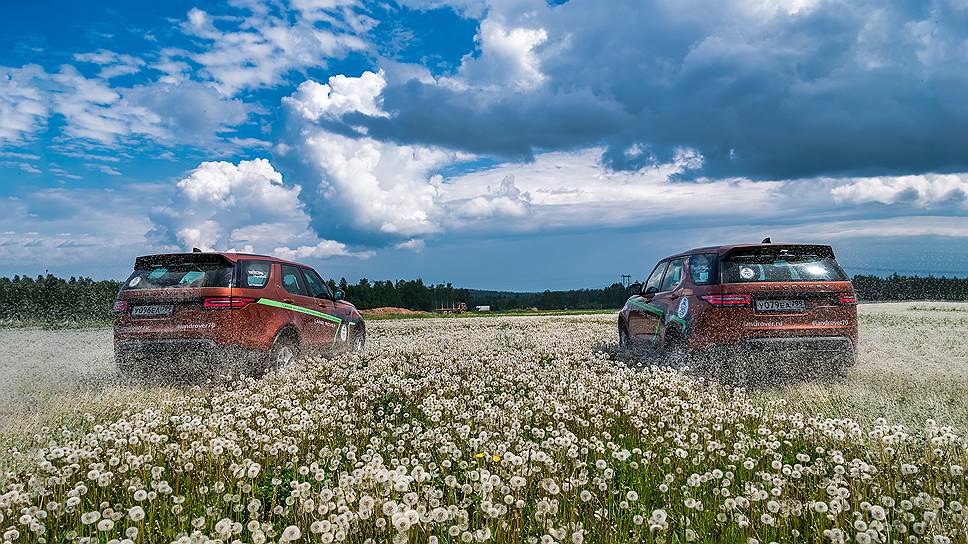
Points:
point(847, 298)
point(727, 300)
point(120, 306)
point(227, 302)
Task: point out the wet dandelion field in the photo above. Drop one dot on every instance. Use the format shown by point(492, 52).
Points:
point(517, 429)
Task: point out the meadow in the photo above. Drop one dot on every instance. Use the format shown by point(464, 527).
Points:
point(511, 429)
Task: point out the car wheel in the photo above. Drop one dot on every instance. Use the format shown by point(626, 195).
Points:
point(283, 353)
point(358, 342)
point(842, 362)
point(128, 366)
point(623, 336)
point(675, 349)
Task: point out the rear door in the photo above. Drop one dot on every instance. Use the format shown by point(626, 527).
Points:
point(671, 292)
point(317, 331)
point(165, 296)
point(793, 290)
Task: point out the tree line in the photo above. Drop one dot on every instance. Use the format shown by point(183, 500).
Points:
point(49, 299)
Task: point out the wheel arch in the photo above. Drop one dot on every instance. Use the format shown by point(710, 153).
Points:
point(287, 331)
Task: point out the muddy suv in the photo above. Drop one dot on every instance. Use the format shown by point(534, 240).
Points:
point(232, 311)
point(792, 299)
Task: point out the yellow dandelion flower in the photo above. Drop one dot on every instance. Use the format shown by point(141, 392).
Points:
point(496, 458)
point(479, 455)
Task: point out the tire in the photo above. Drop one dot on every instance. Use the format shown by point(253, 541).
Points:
point(358, 342)
point(675, 351)
point(284, 351)
point(623, 336)
point(129, 366)
point(842, 362)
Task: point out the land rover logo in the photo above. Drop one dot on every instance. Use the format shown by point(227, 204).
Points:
point(342, 333)
point(746, 273)
point(134, 281)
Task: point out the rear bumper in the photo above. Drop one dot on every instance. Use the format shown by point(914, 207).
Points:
point(802, 348)
point(803, 344)
point(185, 353)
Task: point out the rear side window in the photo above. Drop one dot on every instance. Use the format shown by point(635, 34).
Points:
point(292, 280)
point(176, 275)
point(702, 269)
point(672, 276)
point(652, 285)
point(781, 265)
point(254, 274)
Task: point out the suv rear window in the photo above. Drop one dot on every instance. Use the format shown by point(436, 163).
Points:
point(186, 275)
point(781, 265)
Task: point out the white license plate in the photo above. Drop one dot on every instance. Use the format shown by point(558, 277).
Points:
point(791, 306)
point(151, 311)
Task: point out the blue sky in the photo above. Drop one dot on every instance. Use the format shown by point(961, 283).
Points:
point(512, 144)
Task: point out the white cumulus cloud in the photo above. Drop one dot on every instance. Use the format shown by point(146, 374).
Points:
point(341, 95)
point(507, 56)
point(223, 206)
point(323, 250)
point(924, 190)
point(386, 187)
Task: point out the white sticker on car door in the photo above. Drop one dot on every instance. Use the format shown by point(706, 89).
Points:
point(683, 308)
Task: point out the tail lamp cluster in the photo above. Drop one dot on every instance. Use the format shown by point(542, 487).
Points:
point(726, 301)
point(847, 298)
point(227, 303)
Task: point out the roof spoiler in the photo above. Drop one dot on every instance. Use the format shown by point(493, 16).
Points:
point(151, 261)
point(778, 249)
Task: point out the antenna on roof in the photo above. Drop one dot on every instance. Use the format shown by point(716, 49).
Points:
point(766, 240)
point(196, 250)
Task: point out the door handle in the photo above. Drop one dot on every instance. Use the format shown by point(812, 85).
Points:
point(288, 300)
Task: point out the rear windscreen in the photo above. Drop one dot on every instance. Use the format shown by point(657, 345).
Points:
point(181, 276)
point(779, 265)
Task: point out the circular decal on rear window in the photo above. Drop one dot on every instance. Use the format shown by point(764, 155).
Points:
point(683, 308)
point(134, 281)
point(746, 273)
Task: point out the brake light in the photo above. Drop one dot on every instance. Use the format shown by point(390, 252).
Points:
point(728, 300)
point(222, 303)
point(847, 298)
point(120, 306)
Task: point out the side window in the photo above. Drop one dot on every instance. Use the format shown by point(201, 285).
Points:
point(292, 280)
point(255, 274)
point(702, 269)
point(317, 287)
point(672, 276)
point(652, 285)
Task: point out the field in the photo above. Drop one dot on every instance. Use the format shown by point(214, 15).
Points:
point(511, 429)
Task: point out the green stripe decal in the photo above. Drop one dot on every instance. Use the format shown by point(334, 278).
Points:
point(293, 307)
point(647, 307)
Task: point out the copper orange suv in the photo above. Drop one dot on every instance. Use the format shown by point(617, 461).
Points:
point(208, 310)
point(790, 298)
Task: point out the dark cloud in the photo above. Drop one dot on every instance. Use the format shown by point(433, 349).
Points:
point(837, 88)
